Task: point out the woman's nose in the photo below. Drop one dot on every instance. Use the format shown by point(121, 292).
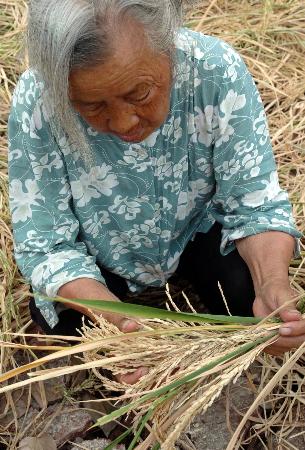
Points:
point(122, 122)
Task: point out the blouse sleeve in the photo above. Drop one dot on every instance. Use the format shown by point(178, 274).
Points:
point(47, 248)
point(248, 199)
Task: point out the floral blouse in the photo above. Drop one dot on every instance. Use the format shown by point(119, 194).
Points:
point(135, 208)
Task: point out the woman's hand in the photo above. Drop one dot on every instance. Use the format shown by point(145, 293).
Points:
point(272, 295)
point(89, 288)
point(126, 326)
point(268, 257)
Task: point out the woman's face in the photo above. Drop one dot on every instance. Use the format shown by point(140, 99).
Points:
point(129, 94)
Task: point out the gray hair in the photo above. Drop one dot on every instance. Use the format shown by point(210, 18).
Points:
point(67, 34)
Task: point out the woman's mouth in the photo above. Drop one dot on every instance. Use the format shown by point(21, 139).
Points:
point(135, 136)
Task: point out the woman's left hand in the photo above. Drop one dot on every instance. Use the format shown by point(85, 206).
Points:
point(273, 294)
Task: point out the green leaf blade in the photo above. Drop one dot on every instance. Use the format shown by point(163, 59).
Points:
point(148, 312)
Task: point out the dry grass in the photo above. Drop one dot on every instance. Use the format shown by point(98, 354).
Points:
point(14, 314)
point(271, 37)
point(280, 419)
point(13, 292)
point(167, 349)
point(177, 385)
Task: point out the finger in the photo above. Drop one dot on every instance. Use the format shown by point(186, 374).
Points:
point(273, 352)
point(283, 345)
point(128, 325)
point(291, 329)
point(123, 323)
point(132, 378)
point(290, 314)
point(289, 311)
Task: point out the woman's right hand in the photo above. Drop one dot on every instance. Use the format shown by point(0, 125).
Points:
point(89, 288)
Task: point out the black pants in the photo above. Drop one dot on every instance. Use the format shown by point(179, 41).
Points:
point(202, 265)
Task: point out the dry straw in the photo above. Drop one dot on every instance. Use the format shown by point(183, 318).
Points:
point(271, 37)
point(190, 359)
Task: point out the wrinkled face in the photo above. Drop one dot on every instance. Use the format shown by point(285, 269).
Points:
point(128, 95)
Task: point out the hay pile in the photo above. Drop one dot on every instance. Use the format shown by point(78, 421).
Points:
point(271, 37)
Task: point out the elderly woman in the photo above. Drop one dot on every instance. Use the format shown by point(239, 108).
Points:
point(139, 149)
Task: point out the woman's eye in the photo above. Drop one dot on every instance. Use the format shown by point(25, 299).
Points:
point(94, 108)
point(141, 98)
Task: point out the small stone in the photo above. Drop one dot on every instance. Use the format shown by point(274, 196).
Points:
point(52, 390)
point(97, 410)
point(47, 393)
point(97, 444)
point(20, 402)
point(297, 442)
point(215, 420)
point(68, 424)
point(44, 442)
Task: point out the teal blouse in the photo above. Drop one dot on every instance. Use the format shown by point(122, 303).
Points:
point(138, 205)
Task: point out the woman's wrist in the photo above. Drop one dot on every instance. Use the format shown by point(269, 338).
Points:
point(85, 288)
point(267, 256)
point(94, 290)
point(262, 279)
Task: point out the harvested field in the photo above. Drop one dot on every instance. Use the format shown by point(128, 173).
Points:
point(270, 34)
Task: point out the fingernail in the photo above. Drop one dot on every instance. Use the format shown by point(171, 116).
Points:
point(285, 331)
point(127, 323)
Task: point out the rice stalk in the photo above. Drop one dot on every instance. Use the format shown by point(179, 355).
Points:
point(168, 353)
point(265, 391)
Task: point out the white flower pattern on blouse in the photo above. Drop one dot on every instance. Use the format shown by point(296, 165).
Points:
point(138, 205)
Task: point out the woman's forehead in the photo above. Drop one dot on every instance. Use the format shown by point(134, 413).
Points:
point(133, 63)
point(111, 77)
